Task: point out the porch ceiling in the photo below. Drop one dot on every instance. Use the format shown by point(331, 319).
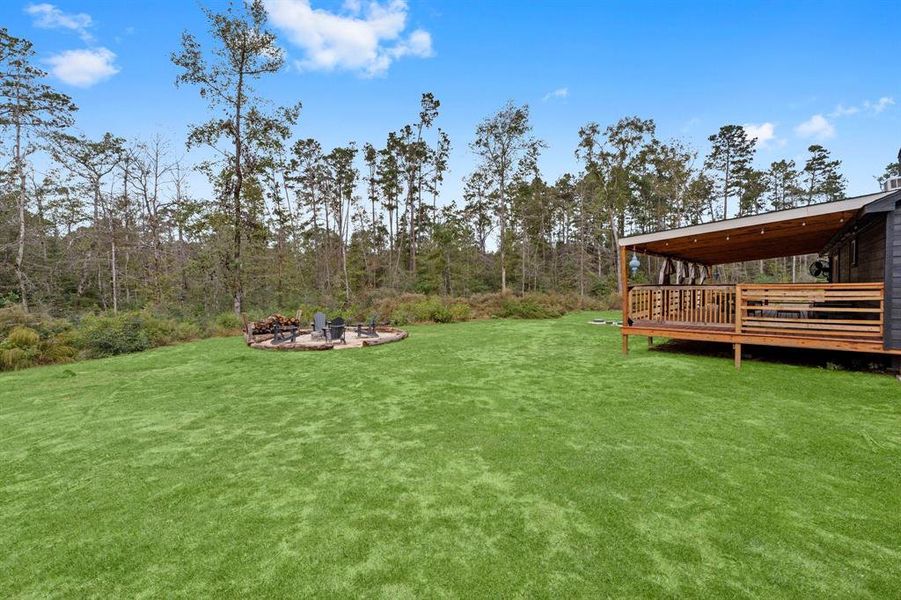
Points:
point(804, 230)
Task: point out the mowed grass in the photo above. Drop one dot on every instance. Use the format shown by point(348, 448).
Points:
point(494, 458)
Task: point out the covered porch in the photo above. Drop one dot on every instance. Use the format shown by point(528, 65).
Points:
point(830, 316)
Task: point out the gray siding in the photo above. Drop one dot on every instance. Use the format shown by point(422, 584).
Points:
point(893, 279)
point(870, 256)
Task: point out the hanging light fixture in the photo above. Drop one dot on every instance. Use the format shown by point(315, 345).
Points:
point(634, 263)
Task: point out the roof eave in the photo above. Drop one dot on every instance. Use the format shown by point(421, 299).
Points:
point(849, 204)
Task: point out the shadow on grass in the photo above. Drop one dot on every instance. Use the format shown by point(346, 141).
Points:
point(822, 359)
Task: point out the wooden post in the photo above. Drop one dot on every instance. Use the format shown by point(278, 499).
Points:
point(624, 285)
point(738, 314)
point(650, 342)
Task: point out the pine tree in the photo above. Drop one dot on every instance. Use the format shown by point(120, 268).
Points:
point(502, 143)
point(783, 187)
point(32, 110)
point(823, 181)
point(244, 51)
point(729, 161)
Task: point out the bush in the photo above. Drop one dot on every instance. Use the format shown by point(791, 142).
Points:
point(108, 335)
point(24, 347)
point(226, 323)
point(14, 358)
point(459, 311)
point(187, 331)
point(46, 326)
point(528, 308)
point(112, 335)
point(23, 337)
point(416, 308)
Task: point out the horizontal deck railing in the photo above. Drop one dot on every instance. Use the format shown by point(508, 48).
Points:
point(851, 311)
point(833, 310)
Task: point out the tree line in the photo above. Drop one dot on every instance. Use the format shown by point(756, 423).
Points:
point(110, 223)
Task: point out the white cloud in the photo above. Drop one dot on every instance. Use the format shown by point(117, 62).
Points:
point(48, 16)
point(874, 107)
point(817, 127)
point(880, 105)
point(367, 38)
point(764, 133)
point(844, 111)
point(83, 68)
point(559, 93)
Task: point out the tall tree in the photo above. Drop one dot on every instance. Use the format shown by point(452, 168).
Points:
point(823, 181)
point(91, 162)
point(30, 109)
point(477, 209)
point(389, 177)
point(503, 142)
point(729, 161)
point(615, 162)
point(243, 51)
point(753, 188)
point(783, 187)
point(344, 181)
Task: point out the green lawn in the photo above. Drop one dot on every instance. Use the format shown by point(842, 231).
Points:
point(494, 458)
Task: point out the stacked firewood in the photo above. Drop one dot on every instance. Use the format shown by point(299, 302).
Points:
point(267, 325)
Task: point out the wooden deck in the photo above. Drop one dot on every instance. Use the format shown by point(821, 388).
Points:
point(846, 316)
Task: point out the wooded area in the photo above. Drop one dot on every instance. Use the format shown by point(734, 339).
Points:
point(97, 224)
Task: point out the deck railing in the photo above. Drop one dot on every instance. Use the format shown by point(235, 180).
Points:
point(684, 305)
point(820, 310)
point(834, 310)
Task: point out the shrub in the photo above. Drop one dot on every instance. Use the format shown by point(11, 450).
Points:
point(459, 311)
point(528, 308)
point(159, 332)
point(56, 350)
point(226, 323)
point(23, 347)
point(14, 358)
point(416, 308)
point(111, 335)
point(441, 314)
point(23, 337)
point(12, 317)
point(187, 331)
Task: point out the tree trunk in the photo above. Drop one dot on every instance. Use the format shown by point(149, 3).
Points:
point(502, 213)
point(113, 269)
point(237, 284)
point(20, 242)
point(614, 234)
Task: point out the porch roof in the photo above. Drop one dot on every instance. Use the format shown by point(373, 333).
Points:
point(804, 230)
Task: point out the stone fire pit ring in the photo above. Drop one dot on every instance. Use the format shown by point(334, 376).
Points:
point(305, 341)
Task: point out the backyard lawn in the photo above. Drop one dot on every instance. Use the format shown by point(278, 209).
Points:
point(493, 458)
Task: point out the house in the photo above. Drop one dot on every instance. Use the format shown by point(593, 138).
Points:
point(856, 308)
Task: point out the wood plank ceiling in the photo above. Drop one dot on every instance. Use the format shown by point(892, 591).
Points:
point(805, 235)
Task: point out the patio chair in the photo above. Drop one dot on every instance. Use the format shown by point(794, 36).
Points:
point(281, 334)
point(319, 324)
point(369, 330)
point(336, 330)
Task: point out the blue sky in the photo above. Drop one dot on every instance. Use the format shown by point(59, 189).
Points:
point(800, 73)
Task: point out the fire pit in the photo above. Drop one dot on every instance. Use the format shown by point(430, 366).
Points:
point(277, 332)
